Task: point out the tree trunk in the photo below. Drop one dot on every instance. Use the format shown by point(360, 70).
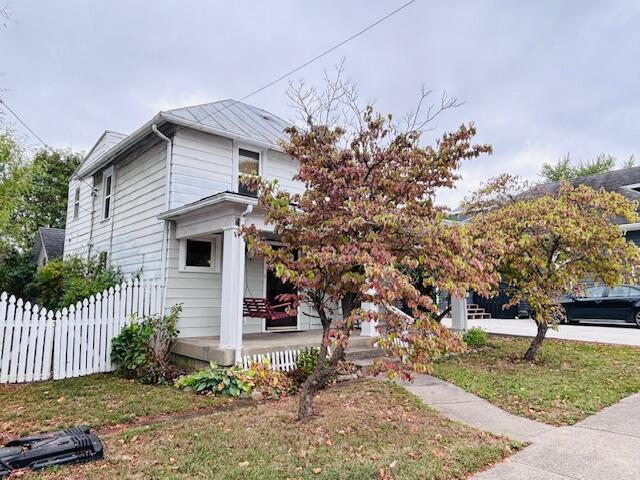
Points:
point(532, 352)
point(325, 367)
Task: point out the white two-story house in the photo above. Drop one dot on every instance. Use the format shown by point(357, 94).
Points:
point(165, 201)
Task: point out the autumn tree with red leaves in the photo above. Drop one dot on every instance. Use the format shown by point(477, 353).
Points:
point(367, 214)
point(545, 242)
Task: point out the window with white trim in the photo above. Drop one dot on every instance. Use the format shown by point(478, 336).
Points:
point(248, 164)
point(107, 193)
point(76, 203)
point(200, 254)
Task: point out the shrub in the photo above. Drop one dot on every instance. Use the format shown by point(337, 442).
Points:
point(61, 283)
point(142, 349)
point(269, 383)
point(475, 337)
point(215, 380)
point(307, 360)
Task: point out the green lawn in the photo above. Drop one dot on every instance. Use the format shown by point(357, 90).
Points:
point(570, 381)
point(366, 430)
point(95, 400)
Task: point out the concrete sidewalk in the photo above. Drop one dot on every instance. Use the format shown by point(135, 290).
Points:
point(619, 334)
point(458, 404)
point(602, 447)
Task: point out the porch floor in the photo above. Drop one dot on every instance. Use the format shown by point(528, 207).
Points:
point(197, 351)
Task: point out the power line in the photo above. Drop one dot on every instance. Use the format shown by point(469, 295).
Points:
point(24, 124)
point(317, 57)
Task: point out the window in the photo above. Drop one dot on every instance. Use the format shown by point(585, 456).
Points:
point(200, 255)
point(594, 292)
point(620, 291)
point(76, 203)
point(107, 193)
point(249, 164)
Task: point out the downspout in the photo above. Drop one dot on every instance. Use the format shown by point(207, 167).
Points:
point(167, 223)
point(241, 222)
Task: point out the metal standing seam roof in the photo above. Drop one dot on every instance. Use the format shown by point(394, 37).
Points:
point(235, 118)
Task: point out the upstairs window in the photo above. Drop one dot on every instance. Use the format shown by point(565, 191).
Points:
point(107, 193)
point(76, 203)
point(249, 164)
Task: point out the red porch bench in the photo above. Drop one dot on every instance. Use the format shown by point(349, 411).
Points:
point(262, 308)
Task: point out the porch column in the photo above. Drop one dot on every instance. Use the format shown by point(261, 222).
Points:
point(233, 258)
point(459, 314)
point(369, 329)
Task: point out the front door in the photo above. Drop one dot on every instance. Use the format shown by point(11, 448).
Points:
point(276, 287)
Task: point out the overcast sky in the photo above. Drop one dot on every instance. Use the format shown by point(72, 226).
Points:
point(538, 78)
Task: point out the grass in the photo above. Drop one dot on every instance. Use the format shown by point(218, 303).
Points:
point(570, 380)
point(365, 430)
point(96, 400)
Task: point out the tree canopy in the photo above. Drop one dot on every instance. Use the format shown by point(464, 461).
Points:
point(566, 169)
point(544, 244)
point(366, 214)
point(33, 191)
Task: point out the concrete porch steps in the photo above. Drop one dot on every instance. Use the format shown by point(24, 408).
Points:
point(475, 312)
point(363, 353)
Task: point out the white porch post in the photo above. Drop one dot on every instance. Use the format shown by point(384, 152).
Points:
point(369, 329)
point(233, 259)
point(459, 313)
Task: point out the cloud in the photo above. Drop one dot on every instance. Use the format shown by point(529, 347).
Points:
point(539, 79)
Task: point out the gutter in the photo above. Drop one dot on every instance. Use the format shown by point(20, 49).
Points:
point(216, 131)
point(123, 145)
point(213, 200)
point(630, 227)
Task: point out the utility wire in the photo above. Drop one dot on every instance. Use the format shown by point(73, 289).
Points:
point(24, 124)
point(317, 57)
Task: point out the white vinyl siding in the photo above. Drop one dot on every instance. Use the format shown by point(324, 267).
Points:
point(282, 167)
point(202, 166)
point(76, 235)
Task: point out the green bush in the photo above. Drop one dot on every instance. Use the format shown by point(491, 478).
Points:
point(307, 360)
point(215, 380)
point(475, 337)
point(61, 283)
point(142, 349)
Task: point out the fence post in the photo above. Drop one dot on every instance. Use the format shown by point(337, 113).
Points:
point(32, 329)
point(4, 320)
point(47, 351)
point(111, 320)
point(8, 341)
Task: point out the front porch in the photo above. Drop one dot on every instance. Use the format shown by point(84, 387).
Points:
point(197, 352)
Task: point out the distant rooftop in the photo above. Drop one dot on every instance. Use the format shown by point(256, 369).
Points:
point(625, 181)
point(51, 240)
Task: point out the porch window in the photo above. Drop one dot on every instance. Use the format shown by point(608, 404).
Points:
point(200, 255)
point(249, 164)
point(76, 203)
point(107, 193)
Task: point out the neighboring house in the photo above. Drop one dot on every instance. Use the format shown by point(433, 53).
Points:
point(625, 181)
point(165, 200)
point(48, 245)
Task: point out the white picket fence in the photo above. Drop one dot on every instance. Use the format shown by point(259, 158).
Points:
point(279, 360)
point(38, 344)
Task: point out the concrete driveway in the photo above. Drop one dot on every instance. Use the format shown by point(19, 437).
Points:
point(621, 334)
